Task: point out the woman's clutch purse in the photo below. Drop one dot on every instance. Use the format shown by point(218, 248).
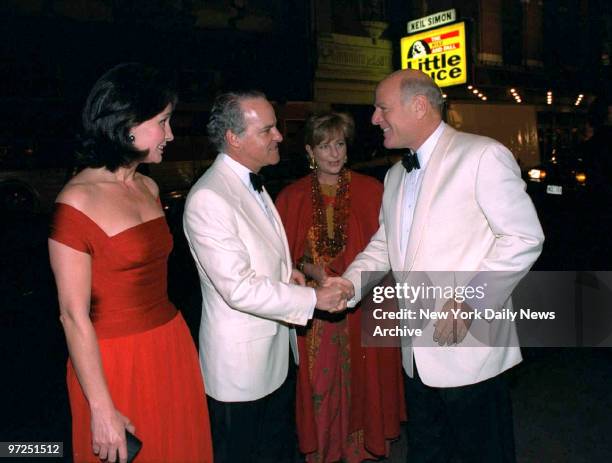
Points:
point(133, 446)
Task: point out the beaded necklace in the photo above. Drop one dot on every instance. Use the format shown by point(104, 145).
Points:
point(323, 244)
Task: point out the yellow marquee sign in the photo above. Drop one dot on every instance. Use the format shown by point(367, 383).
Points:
point(438, 52)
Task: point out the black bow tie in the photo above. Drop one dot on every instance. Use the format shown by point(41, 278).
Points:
point(410, 161)
point(257, 181)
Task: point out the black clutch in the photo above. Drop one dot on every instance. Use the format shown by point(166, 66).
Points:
point(133, 446)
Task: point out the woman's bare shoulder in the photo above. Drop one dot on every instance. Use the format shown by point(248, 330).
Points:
point(150, 184)
point(79, 190)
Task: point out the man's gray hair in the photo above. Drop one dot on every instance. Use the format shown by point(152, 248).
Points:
point(226, 114)
point(411, 86)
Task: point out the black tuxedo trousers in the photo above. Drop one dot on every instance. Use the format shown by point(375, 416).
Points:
point(467, 424)
point(258, 431)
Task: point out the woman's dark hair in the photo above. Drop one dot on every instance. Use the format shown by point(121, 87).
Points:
point(124, 97)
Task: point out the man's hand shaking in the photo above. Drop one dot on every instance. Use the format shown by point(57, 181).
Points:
point(345, 284)
point(334, 293)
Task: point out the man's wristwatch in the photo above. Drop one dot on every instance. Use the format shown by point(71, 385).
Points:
point(302, 261)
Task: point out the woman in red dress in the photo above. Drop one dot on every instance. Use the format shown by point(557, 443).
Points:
point(133, 365)
point(349, 398)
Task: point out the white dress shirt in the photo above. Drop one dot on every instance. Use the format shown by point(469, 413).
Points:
point(412, 185)
point(244, 174)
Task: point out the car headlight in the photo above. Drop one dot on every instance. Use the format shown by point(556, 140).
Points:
point(581, 177)
point(536, 174)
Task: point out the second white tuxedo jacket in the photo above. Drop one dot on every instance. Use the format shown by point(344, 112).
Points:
point(244, 267)
point(472, 215)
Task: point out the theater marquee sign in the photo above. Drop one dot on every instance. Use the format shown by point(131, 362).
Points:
point(440, 52)
point(437, 19)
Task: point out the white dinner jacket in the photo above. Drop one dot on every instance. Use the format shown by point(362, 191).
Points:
point(244, 266)
point(472, 214)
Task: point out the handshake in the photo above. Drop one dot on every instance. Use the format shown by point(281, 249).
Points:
point(333, 294)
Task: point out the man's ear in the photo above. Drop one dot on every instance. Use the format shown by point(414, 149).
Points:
point(420, 106)
point(232, 139)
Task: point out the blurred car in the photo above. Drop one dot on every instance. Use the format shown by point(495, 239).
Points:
point(561, 175)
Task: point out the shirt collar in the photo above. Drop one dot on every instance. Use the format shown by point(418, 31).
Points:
point(425, 150)
point(241, 171)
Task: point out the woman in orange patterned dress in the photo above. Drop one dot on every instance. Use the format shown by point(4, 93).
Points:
point(349, 398)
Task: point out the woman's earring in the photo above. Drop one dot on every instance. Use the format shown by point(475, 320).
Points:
point(312, 164)
point(132, 138)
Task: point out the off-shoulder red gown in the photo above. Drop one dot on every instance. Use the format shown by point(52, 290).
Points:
point(149, 358)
